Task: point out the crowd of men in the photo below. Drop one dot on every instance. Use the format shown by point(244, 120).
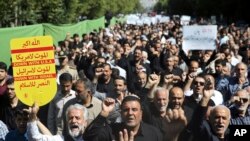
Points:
point(135, 83)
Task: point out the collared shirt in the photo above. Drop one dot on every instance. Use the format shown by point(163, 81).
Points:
point(94, 108)
point(3, 130)
point(69, 70)
point(34, 134)
point(15, 135)
point(7, 113)
point(237, 120)
point(229, 86)
point(146, 132)
point(152, 116)
point(56, 109)
point(100, 130)
point(217, 97)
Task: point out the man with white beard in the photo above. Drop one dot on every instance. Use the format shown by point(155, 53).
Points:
point(76, 117)
point(169, 121)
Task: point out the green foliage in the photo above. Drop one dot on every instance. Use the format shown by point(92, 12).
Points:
point(23, 12)
point(231, 9)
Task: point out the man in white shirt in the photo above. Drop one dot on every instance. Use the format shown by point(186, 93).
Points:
point(76, 116)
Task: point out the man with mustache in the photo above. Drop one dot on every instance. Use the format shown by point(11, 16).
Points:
point(131, 113)
point(76, 116)
point(215, 128)
point(239, 107)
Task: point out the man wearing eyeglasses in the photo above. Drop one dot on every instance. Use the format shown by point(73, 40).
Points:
point(239, 107)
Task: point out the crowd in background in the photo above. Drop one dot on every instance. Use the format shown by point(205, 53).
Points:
point(137, 78)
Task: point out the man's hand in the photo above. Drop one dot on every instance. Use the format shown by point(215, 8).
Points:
point(168, 78)
point(175, 121)
point(153, 80)
point(192, 75)
point(98, 72)
point(207, 94)
point(33, 112)
point(107, 106)
point(124, 136)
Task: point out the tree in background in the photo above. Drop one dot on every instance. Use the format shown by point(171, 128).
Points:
point(231, 9)
point(26, 12)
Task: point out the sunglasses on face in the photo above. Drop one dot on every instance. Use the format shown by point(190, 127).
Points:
point(198, 82)
point(244, 100)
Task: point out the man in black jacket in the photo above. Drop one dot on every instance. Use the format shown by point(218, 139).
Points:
point(131, 112)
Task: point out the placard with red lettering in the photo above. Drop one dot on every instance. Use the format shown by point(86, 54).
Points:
point(34, 69)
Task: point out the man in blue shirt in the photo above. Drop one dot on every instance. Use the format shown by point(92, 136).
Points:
point(235, 83)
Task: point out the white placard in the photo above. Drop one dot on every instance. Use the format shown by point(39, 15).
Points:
point(164, 19)
point(185, 20)
point(199, 37)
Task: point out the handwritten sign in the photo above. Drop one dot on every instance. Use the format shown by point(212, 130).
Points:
point(199, 37)
point(34, 69)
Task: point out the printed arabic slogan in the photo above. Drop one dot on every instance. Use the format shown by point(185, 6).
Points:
point(34, 69)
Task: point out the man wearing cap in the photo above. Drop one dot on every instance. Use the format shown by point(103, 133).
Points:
point(65, 68)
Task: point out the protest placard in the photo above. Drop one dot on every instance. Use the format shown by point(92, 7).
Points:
point(185, 20)
point(34, 69)
point(199, 37)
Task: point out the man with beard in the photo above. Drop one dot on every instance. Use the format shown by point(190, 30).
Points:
point(3, 78)
point(103, 80)
point(9, 105)
point(140, 85)
point(239, 107)
point(76, 116)
point(170, 121)
point(84, 96)
point(120, 91)
point(64, 94)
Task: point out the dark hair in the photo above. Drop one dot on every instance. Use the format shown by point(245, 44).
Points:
point(115, 73)
point(107, 64)
point(121, 78)
point(19, 110)
point(87, 84)
point(65, 77)
point(131, 98)
point(10, 81)
point(75, 35)
point(221, 62)
point(3, 66)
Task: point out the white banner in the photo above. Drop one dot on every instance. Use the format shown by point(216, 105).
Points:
point(199, 37)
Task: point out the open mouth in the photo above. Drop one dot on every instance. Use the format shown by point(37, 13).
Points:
point(74, 127)
point(220, 127)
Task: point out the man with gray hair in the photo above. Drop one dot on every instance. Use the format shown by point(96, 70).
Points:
point(85, 90)
point(239, 107)
point(76, 116)
point(216, 127)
